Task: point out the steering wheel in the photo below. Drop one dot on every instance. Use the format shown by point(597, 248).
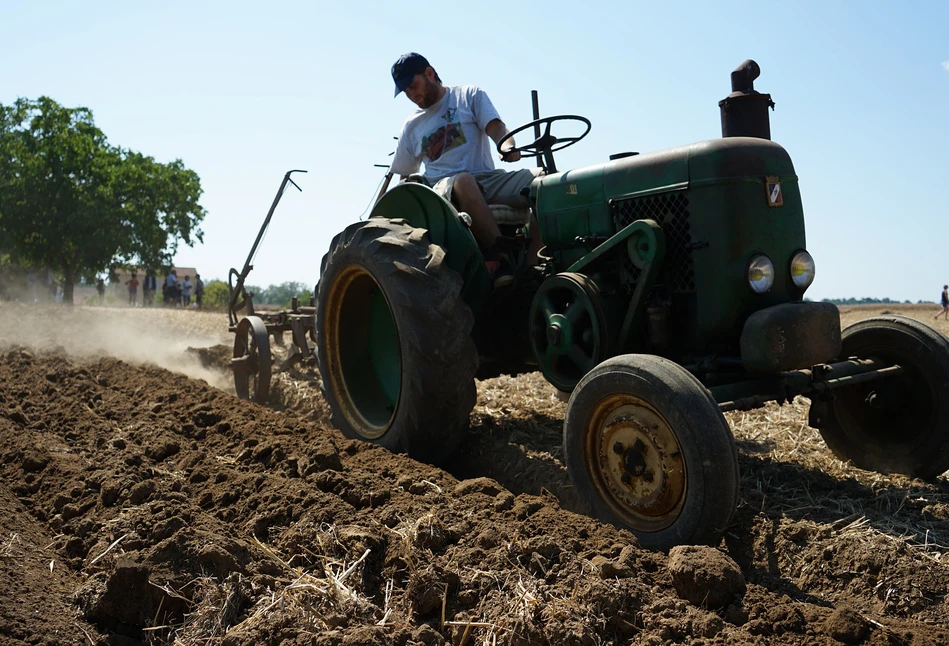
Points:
point(546, 144)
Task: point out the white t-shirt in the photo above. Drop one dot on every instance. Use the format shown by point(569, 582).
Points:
point(448, 137)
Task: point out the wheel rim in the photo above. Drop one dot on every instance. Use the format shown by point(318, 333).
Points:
point(568, 330)
point(362, 351)
point(251, 360)
point(893, 414)
point(636, 462)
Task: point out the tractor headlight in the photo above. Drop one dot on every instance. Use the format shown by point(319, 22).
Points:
point(760, 274)
point(802, 269)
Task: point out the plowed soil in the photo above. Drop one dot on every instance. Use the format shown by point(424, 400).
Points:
point(141, 503)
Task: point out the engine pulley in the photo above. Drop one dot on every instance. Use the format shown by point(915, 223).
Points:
point(568, 329)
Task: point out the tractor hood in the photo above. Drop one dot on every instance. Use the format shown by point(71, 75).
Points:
point(677, 168)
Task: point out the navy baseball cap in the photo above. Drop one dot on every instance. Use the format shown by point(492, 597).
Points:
point(405, 69)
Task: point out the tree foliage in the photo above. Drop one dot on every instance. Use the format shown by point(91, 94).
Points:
point(216, 295)
point(281, 295)
point(71, 202)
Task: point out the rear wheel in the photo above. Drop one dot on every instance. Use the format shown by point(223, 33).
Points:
point(899, 424)
point(648, 448)
point(395, 351)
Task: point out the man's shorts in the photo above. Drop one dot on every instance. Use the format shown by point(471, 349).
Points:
point(499, 186)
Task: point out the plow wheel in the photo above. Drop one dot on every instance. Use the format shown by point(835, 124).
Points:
point(251, 362)
point(568, 329)
point(649, 450)
point(395, 350)
point(899, 424)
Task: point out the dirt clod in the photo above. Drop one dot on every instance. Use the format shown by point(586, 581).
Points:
point(847, 626)
point(704, 576)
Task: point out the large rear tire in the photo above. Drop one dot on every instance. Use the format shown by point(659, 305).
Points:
point(899, 424)
point(648, 448)
point(394, 348)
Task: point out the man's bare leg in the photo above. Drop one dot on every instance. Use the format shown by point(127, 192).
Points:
point(466, 192)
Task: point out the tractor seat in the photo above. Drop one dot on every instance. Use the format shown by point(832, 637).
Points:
point(506, 215)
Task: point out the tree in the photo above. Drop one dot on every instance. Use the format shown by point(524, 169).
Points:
point(281, 295)
point(216, 295)
point(70, 201)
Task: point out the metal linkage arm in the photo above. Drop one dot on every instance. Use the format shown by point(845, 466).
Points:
point(238, 297)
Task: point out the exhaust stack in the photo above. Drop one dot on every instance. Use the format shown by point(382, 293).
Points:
point(745, 110)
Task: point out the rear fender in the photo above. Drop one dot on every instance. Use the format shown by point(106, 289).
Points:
point(423, 208)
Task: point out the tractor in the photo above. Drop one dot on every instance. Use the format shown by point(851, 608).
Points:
point(670, 289)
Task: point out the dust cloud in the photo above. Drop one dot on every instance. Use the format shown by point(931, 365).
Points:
point(159, 337)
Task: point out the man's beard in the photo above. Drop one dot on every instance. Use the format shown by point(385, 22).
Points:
point(430, 96)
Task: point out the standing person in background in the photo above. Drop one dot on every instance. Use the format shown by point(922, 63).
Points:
point(100, 290)
point(51, 284)
point(186, 292)
point(133, 290)
point(177, 293)
point(149, 285)
point(168, 292)
point(31, 289)
point(198, 290)
point(944, 300)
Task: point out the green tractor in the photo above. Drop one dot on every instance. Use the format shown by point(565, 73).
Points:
point(670, 290)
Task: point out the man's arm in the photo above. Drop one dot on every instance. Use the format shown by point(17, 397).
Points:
point(497, 131)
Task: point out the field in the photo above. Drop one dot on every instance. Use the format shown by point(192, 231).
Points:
point(142, 503)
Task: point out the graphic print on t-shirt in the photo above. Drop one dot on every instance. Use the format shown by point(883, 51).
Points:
point(449, 136)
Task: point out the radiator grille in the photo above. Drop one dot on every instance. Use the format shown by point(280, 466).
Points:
point(671, 212)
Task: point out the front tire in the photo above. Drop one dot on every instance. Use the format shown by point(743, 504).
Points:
point(899, 424)
point(395, 351)
point(649, 450)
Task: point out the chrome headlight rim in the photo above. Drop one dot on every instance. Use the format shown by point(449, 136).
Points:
point(807, 269)
point(760, 273)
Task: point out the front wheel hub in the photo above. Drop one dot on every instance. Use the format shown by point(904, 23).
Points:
point(638, 461)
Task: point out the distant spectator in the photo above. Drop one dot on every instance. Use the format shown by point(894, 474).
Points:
point(198, 290)
point(51, 285)
point(186, 287)
point(944, 300)
point(149, 286)
point(100, 290)
point(168, 291)
point(133, 290)
point(31, 289)
point(177, 297)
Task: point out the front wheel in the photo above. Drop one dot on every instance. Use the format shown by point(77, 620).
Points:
point(394, 349)
point(649, 450)
point(899, 424)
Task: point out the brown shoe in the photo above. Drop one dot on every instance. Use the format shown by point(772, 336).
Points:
point(499, 272)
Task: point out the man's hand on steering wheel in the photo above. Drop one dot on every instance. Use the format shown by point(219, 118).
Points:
point(545, 145)
point(509, 153)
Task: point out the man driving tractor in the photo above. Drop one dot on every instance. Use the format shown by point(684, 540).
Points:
point(449, 134)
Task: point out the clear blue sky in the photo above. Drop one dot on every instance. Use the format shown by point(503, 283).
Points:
point(243, 92)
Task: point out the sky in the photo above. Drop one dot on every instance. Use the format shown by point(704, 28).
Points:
point(242, 92)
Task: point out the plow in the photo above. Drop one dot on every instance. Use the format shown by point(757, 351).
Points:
point(252, 362)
